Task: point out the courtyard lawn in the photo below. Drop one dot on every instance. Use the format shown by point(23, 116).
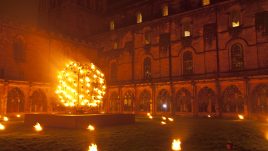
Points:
point(145, 135)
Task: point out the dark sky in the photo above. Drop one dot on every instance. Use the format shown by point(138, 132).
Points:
point(24, 11)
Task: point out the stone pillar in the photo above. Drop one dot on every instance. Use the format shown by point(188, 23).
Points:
point(246, 99)
point(28, 100)
point(173, 99)
point(194, 101)
point(4, 101)
point(153, 99)
point(135, 101)
point(218, 99)
point(121, 100)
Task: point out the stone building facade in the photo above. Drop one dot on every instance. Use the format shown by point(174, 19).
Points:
point(192, 57)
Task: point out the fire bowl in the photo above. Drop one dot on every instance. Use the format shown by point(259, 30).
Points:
point(78, 121)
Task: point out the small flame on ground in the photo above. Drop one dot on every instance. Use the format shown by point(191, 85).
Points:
point(163, 123)
point(209, 116)
point(150, 117)
point(5, 118)
point(2, 127)
point(90, 127)
point(93, 147)
point(148, 114)
point(170, 119)
point(241, 117)
point(38, 127)
point(176, 145)
point(18, 115)
point(164, 118)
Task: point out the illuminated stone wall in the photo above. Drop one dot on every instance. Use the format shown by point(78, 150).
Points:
point(215, 75)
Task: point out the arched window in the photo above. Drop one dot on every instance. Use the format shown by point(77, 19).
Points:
point(113, 72)
point(128, 100)
point(147, 68)
point(206, 100)
point(187, 63)
point(163, 101)
point(205, 2)
point(115, 104)
point(112, 25)
point(165, 10)
point(233, 101)
point(139, 17)
point(235, 19)
point(144, 101)
point(15, 101)
point(237, 57)
point(183, 101)
point(260, 99)
point(19, 49)
point(39, 101)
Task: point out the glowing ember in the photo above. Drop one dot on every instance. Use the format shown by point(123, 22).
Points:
point(148, 114)
point(170, 119)
point(150, 117)
point(176, 144)
point(164, 118)
point(163, 123)
point(81, 85)
point(5, 119)
point(2, 127)
point(91, 128)
point(241, 117)
point(38, 127)
point(93, 147)
point(18, 116)
point(209, 116)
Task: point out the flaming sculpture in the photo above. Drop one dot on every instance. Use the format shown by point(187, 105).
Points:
point(2, 127)
point(164, 118)
point(81, 85)
point(18, 115)
point(176, 145)
point(163, 123)
point(38, 127)
point(170, 119)
point(91, 128)
point(93, 147)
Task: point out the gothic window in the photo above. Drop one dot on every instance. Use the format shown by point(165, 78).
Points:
point(112, 25)
point(205, 2)
point(163, 101)
point(128, 100)
point(183, 101)
point(144, 102)
point(209, 33)
point(164, 44)
point(186, 30)
point(39, 101)
point(260, 99)
point(165, 10)
point(139, 17)
point(187, 63)
point(235, 19)
point(147, 38)
point(15, 101)
point(262, 21)
point(115, 104)
point(19, 49)
point(113, 72)
point(147, 68)
point(206, 100)
point(233, 101)
point(237, 57)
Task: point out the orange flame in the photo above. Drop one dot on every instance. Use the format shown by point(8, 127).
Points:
point(163, 123)
point(18, 116)
point(164, 118)
point(176, 145)
point(93, 147)
point(170, 119)
point(91, 128)
point(38, 127)
point(240, 116)
point(5, 119)
point(2, 127)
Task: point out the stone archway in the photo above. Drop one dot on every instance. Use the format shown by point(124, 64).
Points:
point(39, 101)
point(115, 104)
point(15, 101)
point(128, 101)
point(144, 101)
point(183, 101)
point(163, 101)
point(233, 100)
point(206, 100)
point(259, 101)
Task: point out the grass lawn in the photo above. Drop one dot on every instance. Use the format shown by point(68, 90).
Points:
point(145, 135)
